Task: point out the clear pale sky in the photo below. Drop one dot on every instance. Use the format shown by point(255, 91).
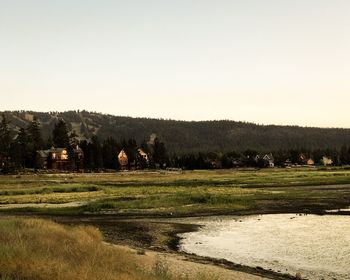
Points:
point(270, 61)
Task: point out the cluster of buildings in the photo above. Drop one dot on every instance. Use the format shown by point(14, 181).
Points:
point(268, 160)
point(61, 159)
point(73, 159)
point(141, 160)
point(306, 161)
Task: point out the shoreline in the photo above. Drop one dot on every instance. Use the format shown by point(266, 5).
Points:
point(160, 235)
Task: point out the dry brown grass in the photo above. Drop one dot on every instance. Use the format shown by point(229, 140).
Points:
point(39, 249)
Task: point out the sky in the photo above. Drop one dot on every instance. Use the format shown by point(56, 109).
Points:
point(268, 62)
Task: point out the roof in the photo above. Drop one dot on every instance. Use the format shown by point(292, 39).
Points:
point(142, 152)
point(43, 153)
point(122, 154)
point(268, 157)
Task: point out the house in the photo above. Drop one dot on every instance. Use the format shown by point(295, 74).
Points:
point(123, 160)
point(269, 160)
point(143, 154)
point(139, 160)
point(54, 158)
point(256, 158)
point(58, 159)
point(42, 159)
point(302, 159)
point(326, 161)
point(310, 162)
point(142, 159)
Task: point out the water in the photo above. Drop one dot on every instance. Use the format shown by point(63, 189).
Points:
point(318, 247)
point(343, 210)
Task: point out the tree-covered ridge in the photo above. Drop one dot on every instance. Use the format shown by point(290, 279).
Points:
point(28, 149)
point(186, 136)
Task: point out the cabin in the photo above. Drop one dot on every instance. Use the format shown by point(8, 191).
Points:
point(256, 158)
point(143, 154)
point(302, 159)
point(42, 159)
point(123, 160)
point(269, 160)
point(142, 159)
point(58, 159)
point(54, 158)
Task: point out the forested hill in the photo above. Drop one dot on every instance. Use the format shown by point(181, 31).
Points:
point(183, 136)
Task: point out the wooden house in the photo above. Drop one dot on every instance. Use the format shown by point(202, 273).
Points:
point(123, 160)
point(58, 159)
point(142, 159)
point(42, 159)
point(143, 154)
point(269, 160)
point(302, 159)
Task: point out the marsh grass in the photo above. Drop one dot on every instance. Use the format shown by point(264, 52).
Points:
point(186, 192)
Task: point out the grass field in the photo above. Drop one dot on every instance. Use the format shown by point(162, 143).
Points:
point(176, 194)
point(125, 207)
point(35, 249)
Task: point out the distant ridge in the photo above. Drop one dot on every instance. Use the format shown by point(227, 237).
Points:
point(188, 136)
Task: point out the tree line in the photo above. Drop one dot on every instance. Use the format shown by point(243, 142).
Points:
point(20, 151)
point(255, 159)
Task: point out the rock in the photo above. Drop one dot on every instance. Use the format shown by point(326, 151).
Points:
point(298, 276)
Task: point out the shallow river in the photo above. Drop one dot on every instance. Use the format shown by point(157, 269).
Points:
point(318, 247)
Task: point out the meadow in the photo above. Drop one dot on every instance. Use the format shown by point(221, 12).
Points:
point(135, 209)
point(184, 193)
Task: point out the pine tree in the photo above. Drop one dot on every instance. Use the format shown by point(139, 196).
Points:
point(110, 149)
point(60, 135)
point(96, 152)
point(344, 156)
point(35, 141)
point(5, 136)
point(23, 155)
point(160, 156)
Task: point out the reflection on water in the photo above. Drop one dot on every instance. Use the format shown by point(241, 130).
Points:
point(344, 210)
point(318, 247)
